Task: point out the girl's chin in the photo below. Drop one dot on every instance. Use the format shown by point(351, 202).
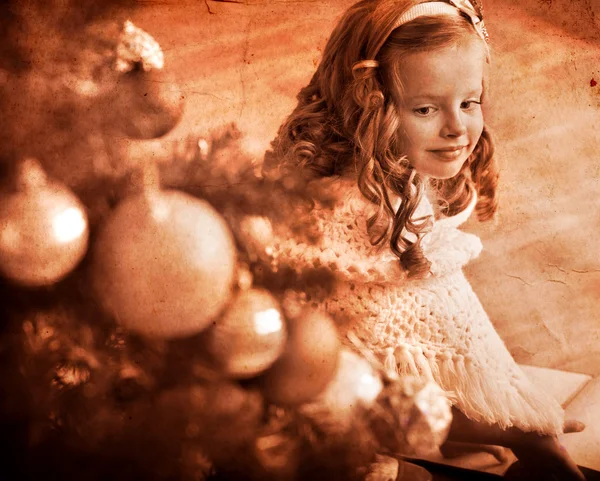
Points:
point(440, 171)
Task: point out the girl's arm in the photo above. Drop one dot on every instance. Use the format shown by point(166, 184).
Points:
point(542, 454)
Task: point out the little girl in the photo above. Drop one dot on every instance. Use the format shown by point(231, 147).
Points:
point(391, 124)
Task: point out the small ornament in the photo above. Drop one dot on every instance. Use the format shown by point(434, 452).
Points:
point(244, 278)
point(431, 419)
point(278, 447)
point(147, 105)
point(69, 374)
point(137, 47)
point(356, 385)
point(250, 336)
point(255, 233)
point(43, 229)
point(164, 262)
point(308, 364)
point(412, 416)
point(131, 383)
point(147, 101)
point(256, 230)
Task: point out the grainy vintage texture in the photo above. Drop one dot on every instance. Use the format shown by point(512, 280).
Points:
point(243, 62)
point(539, 274)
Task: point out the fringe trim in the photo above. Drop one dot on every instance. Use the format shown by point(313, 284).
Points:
point(483, 396)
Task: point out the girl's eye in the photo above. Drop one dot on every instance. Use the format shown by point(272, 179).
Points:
point(470, 104)
point(423, 111)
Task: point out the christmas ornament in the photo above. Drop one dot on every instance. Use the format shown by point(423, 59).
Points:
point(308, 363)
point(277, 448)
point(147, 101)
point(147, 105)
point(250, 336)
point(244, 277)
point(137, 47)
point(71, 374)
point(411, 416)
point(256, 234)
point(356, 385)
point(164, 262)
point(431, 418)
point(43, 229)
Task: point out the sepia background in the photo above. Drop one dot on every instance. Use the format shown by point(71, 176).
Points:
point(539, 274)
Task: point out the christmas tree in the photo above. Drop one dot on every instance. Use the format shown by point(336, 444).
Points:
point(148, 332)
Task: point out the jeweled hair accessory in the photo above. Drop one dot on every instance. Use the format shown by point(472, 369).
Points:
point(473, 10)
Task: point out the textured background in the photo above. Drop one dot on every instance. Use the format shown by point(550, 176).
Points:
point(539, 275)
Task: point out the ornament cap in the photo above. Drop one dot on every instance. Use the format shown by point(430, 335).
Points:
point(30, 175)
point(145, 179)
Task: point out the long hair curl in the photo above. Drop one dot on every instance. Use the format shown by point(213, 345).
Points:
point(346, 124)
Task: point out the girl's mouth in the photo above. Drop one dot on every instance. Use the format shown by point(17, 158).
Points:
point(449, 154)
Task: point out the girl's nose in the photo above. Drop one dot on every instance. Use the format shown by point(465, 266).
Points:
point(454, 125)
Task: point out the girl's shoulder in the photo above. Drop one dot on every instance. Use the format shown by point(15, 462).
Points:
point(343, 228)
point(340, 241)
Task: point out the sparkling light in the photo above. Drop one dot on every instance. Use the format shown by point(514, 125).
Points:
point(69, 225)
point(268, 322)
point(369, 387)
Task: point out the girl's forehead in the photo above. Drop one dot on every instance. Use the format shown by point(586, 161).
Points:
point(452, 69)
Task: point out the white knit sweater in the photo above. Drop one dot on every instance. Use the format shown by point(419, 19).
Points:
point(434, 328)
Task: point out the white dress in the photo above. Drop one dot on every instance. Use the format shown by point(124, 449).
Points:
point(436, 327)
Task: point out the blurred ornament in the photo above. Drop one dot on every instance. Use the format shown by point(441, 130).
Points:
point(277, 447)
point(255, 233)
point(256, 230)
point(356, 385)
point(431, 419)
point(278, 454)
point(43, 229)
point(147, 101)
point(137, 46)
point(250, 336)
point(411, 417)
point(146, 105)
point(244, 278)
point(308, 364)
point(131, 383)
point(69, 374)
point(164, 262)
point(356, 382)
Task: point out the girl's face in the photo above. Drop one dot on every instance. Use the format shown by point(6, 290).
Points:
point(440, 107)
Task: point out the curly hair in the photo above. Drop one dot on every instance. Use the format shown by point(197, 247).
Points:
point(346, 123)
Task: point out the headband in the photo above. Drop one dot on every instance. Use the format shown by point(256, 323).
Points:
point(450, 7)
point(472, 9)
